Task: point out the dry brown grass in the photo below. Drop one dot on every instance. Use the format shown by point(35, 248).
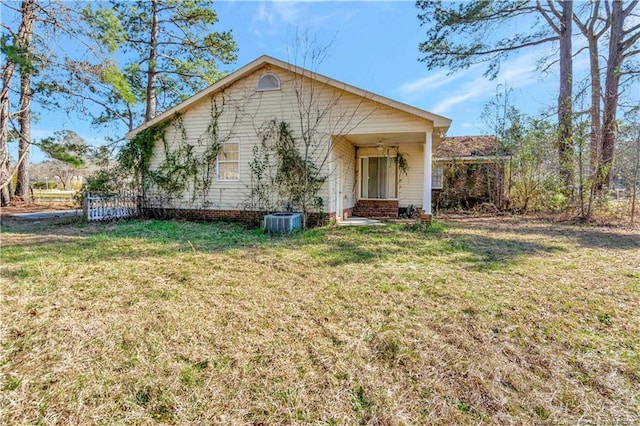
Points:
point(487, 321)
point(18, 206)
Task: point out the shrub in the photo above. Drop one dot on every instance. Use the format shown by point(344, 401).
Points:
point(42, 184)
point(103, 181)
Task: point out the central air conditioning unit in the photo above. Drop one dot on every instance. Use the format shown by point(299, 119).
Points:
point(282, 222)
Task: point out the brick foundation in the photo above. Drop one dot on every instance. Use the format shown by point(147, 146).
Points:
point(347, 213)
point(424, 218)
point(243, 216)
point(376, 208)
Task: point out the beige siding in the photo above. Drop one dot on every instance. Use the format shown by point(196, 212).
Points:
point(372, 118)
point(244, 112)
point(411, 185)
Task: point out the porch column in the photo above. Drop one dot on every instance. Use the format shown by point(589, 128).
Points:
point(426, 189)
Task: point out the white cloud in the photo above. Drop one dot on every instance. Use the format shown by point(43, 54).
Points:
point(519, 72)
point(429, 82)
point(516, 73)
point(263, 16)
point(272, 17)
point(469, 85)
point(38, 134)
point(467, 91)
point(288, 12)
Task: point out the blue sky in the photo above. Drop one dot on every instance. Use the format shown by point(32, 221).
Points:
point(374, 45)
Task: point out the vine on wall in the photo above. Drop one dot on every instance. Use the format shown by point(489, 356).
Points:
point(402, 163)
point(261, 196)
point(186, 167)
point(281, 176)
point(135, 156)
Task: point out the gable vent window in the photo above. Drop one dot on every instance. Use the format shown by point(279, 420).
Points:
point(268, 82)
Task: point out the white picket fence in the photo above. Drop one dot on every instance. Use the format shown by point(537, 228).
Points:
point(110, 206)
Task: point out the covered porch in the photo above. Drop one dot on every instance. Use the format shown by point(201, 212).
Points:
point(377, 175)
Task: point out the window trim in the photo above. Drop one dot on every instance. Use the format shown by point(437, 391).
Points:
point(433, 184)
point(218, 161)
point(397, 178)
point(268, 89)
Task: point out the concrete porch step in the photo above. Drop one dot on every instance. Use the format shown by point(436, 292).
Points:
point(360, 221)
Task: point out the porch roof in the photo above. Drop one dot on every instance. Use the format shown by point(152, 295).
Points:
point(387, 139)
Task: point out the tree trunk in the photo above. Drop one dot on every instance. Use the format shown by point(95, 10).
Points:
point(592, 34)
point(612, 85)
point(596, 89)
point(595, 137)
point(636, 180)
point(24, 121)
point(5, 176)
point(24, 114)
point(634, 193)
point(22, 42)
point(152, 73)
point(565, 98)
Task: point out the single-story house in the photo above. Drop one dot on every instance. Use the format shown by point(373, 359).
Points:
point(468, 171)
point(215, 155)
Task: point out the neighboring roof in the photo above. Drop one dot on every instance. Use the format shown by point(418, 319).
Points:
point(469, 147)
point(438, 120)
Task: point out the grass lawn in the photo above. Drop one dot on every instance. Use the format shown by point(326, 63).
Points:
point(496, 320)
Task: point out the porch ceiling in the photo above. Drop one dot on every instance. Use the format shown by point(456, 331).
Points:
point(389, 139)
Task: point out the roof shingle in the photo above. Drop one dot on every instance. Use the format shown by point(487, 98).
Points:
point(469, 146)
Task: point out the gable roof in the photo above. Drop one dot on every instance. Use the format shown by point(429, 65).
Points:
point(469, 147)
point(438, 120)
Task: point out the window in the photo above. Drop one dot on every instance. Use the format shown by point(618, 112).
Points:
point(228, 161)
point(378, 178)
point(437, 177)
point(268, 82)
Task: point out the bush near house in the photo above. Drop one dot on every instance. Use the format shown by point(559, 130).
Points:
point(469, 185)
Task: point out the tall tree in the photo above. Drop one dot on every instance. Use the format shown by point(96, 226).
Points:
point(627, 165)
point(68, 152)
point(472, 22)
point(565, 96)
point(171, 51)
point(15, 48)
point(28, 12)
point(7, 75)
point(624, 44)
point(47, 34)
point(66, 146)
point(594, 26)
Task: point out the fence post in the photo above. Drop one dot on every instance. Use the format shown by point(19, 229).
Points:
point(85, 206)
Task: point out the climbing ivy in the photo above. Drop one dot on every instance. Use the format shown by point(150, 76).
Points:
point(282, 172)
point(185, 165)
point(260, 190)
point(279, 167)
point(135, 156)
point(402, 163)
point(210, 142)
